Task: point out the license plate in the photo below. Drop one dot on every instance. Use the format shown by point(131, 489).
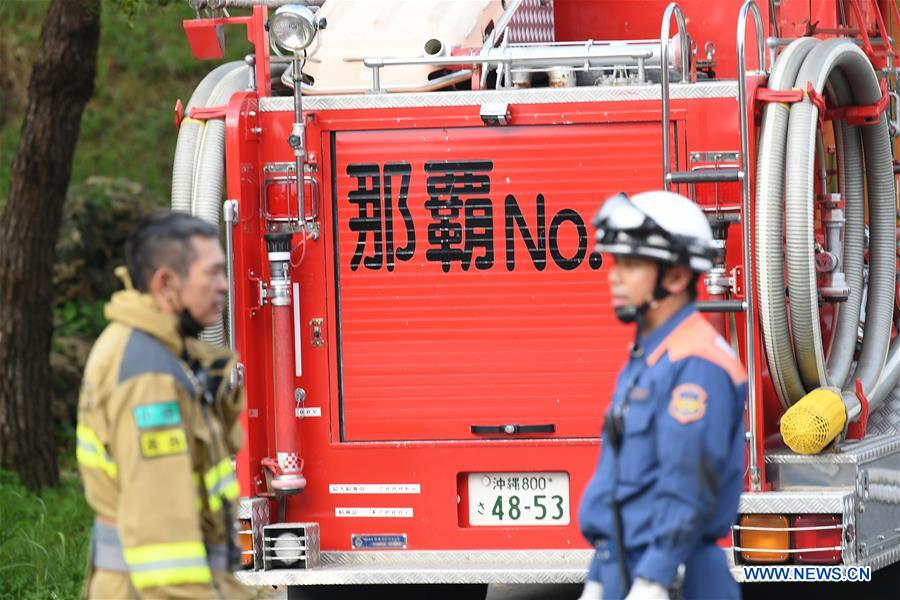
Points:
point(513, 499)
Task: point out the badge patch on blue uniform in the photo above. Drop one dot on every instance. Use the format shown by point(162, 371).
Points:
point(158, 414)
point(688, 403)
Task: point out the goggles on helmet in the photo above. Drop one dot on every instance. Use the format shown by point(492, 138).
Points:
point(619, 214)
point(624, 229)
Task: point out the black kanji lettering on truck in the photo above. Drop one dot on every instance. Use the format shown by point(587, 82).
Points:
point(462, 213)
point(375, 214)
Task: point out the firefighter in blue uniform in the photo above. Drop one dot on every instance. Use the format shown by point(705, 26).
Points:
point(672, 462)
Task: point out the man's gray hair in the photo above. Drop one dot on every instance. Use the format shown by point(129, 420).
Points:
point(163, 239)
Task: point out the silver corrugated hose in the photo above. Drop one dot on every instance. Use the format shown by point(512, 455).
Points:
point(861, 79)
point(882, 252)
point(209, 180)
point(198, 172)
point(816, 419)
point(208, 183)
point(770, 228)
point(851, 181)
point(209, 177)
point(188, 134)
point(889, 376)
point(799, 241)
point(183, 168)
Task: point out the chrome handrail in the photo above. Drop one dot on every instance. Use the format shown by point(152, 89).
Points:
point(592, 53)
point(231, 217)
point(774, 18)
point(787, 550)
point(502, 24)
point(671, 9)
point(379, 62)
point(301, 217)
point(430, 85)
point(749, 301)
point(491, 39)
point(813, 528)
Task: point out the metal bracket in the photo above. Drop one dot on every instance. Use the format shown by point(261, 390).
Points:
point(894, 122)
point(495, 113)
point(718, 281)
point(237, 375)
point(251, 129)
point(717, 156)
point(862, 484)
point(316, 332)
point(279, 167)
point(232, 212)
point(736, 280)
point(849, 541)
point(313, 230)
point(262, 288)
point(754, 475)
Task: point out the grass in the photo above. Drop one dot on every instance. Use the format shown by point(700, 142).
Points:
point(44, 545)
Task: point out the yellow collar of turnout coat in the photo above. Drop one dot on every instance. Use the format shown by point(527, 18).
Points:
point(134, 309)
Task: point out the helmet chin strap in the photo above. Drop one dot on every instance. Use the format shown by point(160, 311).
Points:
point(637, 314)
point(630, 313)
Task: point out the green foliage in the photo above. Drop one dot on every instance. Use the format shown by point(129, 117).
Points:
point(45, 540)
point(79, 317)
point(144, 65)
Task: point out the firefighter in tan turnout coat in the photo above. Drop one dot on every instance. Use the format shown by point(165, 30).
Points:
point(157, 424)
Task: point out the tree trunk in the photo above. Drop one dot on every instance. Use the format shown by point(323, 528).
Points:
point(62, 81)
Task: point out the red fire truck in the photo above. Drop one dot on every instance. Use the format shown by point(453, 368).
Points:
point(425, 331)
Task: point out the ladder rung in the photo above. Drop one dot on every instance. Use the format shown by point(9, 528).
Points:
point(705, 176)
point(720, 306)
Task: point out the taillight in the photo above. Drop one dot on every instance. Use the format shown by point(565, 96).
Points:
point(818, 531)
point(764, 538)
point(246, 538)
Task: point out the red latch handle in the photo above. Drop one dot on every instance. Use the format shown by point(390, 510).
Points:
point(783, 96)
point(862, 115)
point(857, 429)
point(210, 112)
point(272, 465)
point(791, 97)
point(854, 115)
point(179, 114)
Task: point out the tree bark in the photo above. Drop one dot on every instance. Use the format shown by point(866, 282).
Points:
point(62, 82)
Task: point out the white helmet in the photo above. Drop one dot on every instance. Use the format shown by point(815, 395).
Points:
point(658, 225)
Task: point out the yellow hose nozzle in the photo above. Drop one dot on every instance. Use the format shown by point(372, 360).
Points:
point(814, 421)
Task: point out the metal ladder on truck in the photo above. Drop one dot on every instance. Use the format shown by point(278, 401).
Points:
point(719, 175)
